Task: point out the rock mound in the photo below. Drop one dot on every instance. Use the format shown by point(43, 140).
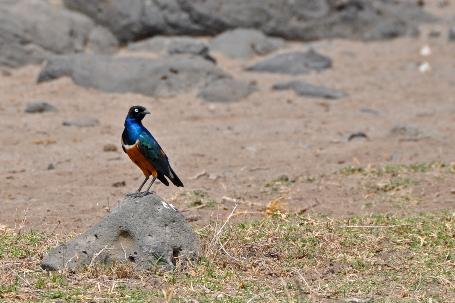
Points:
point(143, 229)
point(301, 20)
point(166, 76)
point(33, 29)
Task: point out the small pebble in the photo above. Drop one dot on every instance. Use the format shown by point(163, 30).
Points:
point(452, 33)
point(39, 107)
point(358, 135)
point(119, 184)
point(424, 67)
point(425, 51)
point(110, 148)
point(82, 122)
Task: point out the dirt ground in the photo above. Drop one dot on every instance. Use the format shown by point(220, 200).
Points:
point(239, 151)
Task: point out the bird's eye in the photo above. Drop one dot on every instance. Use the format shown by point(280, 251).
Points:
point(136, 110)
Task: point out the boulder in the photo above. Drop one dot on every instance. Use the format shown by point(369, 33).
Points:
point(143, 229)
point(301, 20)
point(166, 76)
point(303, 88)
point(245, 43)
point(34, 29)
point(292, 63)
point(227, 90)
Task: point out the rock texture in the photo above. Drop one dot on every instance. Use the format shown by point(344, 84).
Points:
point(143, 229)
point(227, 90)
point(303, 19)
point(173, 46)
point(293, 63)
point(245, 43)
point(31, 30)
point(102, 41)
point(166, 76)
point(303, 88)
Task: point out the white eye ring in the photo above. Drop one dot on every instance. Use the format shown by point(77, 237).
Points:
point(136, 110)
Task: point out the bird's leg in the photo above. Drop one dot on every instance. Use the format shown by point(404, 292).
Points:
point(143, 183)
point(151, 183)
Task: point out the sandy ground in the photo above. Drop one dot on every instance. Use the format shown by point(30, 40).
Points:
point(243, 146)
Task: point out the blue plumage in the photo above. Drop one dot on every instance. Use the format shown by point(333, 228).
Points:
point(144, 150)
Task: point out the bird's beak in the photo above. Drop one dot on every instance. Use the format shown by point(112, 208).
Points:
point(146, 112)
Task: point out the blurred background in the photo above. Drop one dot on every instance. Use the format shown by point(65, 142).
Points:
point(333, 107)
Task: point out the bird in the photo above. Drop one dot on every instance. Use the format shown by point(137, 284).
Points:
point(142, 148)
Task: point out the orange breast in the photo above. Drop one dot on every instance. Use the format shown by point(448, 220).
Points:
point(136, 156)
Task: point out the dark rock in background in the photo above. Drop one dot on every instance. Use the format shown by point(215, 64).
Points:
point(165, 76)
point(39, 107)
point(293, 63)
point(31, 30)
point(143, 229)
point(302, 88)
point(301, 20)
point(245, 43)
point(227, 90)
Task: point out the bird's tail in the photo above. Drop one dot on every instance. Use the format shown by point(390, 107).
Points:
point(175, 179)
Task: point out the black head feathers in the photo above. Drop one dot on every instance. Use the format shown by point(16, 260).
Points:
point(138, 112)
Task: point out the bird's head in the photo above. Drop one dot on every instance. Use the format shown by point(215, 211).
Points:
point(137, 113)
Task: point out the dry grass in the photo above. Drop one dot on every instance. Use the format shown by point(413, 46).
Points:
point(280, 258)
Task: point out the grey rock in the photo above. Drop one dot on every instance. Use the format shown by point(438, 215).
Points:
point(452, 33)
point(303, 88)
point(173, 46)
point(293, 63)
point(190, 47)
point(101, 40)
point(166, 76)
point(157, 44)
point(370, 111)
point(39, 107)
point(34, 29)
point(82, 122)
point(143, 229)
point(227, 90)
point(245, 43)
point(301, 20)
